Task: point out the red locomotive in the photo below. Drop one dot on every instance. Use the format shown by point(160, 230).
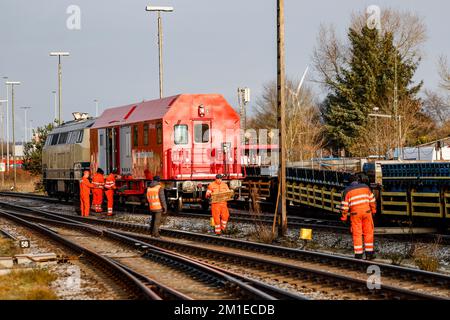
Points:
point(185, 139)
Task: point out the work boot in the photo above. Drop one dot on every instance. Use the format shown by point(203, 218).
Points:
point(359, 256)
point(370, 255)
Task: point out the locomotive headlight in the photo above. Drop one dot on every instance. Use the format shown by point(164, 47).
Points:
point(201, 110)
point(235, 184)
point(188, 186)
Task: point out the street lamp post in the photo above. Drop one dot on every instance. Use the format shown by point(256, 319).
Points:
point(243, 99)
point(25, 109)
point(55, 106)
point(31, 129)
point(396, 118)
point(376, 109)
point(7, 125)
point(2, 141)
point(59, 55)
point(160, 42)
point(96, 107)
point(12, 84)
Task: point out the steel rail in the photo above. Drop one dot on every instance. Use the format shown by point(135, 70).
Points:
point(242, 287)
point(398, 272)
point(128, 282)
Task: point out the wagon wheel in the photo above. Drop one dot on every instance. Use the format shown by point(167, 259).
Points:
point(205, 205)
point(178, 205)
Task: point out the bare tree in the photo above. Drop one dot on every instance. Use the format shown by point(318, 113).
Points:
point(444, 73)
point(384, 134)
point(330, 56)
point(303, 127)
point(409, 30)
point(437, 106)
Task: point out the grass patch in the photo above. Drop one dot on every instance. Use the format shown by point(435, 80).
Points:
point(426, 256)
point(232, 229)
point(27, 285)
point(262, 232)
point(8, 248)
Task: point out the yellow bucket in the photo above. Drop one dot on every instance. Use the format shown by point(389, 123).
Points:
point(306, 234)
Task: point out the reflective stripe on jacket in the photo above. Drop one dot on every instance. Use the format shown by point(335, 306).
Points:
point(153, 198)
point(358, 199)
point(110, 182)
point(98, 180)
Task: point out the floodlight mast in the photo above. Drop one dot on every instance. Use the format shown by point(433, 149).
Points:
point(59, 54)
point(160, 9)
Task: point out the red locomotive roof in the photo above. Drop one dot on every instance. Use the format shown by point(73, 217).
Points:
point(133, 113)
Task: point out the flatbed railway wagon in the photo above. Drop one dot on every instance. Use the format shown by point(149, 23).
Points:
point(185, 139)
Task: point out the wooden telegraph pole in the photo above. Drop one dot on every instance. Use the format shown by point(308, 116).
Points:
point(281, 88)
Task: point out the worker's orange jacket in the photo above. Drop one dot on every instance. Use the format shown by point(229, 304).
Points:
point(98, 180)
point(215, 188)
point(153, 198)
point(110, 182)
point(85, 187)
point(357, 199)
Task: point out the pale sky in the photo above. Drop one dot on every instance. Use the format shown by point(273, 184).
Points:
point(210, 46)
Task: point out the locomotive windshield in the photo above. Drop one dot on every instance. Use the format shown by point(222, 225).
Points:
point(181, 134)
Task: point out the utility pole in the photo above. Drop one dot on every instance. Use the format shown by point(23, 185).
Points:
point(281, 87)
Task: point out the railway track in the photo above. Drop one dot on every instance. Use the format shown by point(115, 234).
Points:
point(294, 221)
point(134, 288)
point(189, 278)
point(315, 271)
point(322, 224)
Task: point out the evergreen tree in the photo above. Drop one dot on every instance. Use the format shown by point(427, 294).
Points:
point(367, 81)
point(32, 161)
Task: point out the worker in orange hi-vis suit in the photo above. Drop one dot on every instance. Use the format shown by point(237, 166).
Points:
point(359, 201)
point(219, 210)
point(110, 186)
point(85, 191)
point(97, 193)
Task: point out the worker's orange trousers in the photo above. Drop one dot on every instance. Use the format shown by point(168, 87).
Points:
point(362, 226)
point(220, 214)
point(110, 197)
point(97, 199)
point(84, 205)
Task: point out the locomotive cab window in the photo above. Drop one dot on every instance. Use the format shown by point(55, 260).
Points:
point(201, 133)
point(135, 136)
point(63, 138)
point(146, 131)
point(55, 138)
point(159, 133)
point(181, 134)
point(49, 140)
point(80, 136)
